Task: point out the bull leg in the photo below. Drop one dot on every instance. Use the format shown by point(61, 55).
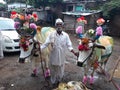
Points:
point(35, 66)
point(47, 71)
point(105, 63)
point(95, 66)
point(85, 78)
point(91, 77)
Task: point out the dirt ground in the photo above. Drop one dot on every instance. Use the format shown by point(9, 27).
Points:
point(16, 76)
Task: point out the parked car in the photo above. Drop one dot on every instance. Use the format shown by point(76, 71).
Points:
point(10, 36)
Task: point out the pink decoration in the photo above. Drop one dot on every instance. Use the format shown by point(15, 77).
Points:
point(47, 73)
point(85, 79)
point(16, 25)
point(33, 26)
point(79, 29)
point(99, 31)
point(27, 17)
point(91, 80)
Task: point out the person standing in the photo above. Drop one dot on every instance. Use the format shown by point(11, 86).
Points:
point(1, 47)
point(59, 41)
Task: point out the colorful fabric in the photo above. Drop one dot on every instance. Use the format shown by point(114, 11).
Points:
point(107, 42)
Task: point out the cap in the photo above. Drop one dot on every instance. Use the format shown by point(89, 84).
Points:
point(59, 21)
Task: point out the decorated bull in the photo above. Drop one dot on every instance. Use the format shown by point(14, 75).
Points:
point(93, 54)
point(34, 53)
point(31, 37)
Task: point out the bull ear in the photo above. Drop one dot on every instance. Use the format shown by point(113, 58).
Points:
point(99, 46)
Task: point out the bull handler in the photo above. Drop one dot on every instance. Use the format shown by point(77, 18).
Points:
point(59, 41)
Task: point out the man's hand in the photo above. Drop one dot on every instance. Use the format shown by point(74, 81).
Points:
point(75, 53)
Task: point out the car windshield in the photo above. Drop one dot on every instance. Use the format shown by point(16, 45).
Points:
point(6, 25)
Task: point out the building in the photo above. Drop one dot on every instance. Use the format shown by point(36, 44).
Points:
point(77, 9)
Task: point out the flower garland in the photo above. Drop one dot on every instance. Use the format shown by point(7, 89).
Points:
point(100, 21)
point(82, 20)
point(84, 45)
point(80, 28)
point(24, 43)
point(25, 27)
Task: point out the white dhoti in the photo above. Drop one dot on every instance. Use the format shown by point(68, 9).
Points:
point(57, 73)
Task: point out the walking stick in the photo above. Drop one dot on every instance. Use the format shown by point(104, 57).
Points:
point(43, 68)
point(108, 75)
point(118, 60)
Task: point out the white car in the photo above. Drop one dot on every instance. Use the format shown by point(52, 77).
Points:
point(10, 37)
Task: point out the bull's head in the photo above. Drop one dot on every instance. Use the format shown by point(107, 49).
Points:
point(86, 48)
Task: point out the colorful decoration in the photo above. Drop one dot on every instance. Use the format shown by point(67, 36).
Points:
point(91, 32)
point(79, 29)
point(25, 27)
point(99, 31)
point(25, 24)
point(39, 28)
point(84, 45)
point(13, 14)
point(72, 85)
point(95, 65)
point(82, 20)
point(24, 43)
point(100, 21)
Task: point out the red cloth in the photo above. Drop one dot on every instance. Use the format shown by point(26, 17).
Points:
point(83, 47)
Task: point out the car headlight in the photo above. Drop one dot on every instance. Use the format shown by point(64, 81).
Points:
point(7, 39)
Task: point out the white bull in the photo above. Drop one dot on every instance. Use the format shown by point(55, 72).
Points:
point(34, 51)
point(92, 54)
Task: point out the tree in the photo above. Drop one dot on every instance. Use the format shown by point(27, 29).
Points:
point(44, 3)
point(111, 8)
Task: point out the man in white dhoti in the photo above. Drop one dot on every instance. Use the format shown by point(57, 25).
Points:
point(1, 48)
point(59, 41)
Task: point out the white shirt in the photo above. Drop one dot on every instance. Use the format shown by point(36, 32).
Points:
point(59, 44)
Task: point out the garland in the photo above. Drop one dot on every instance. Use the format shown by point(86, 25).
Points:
point(83, 47)
point(25, 27)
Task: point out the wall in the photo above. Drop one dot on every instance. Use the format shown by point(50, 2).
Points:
point(71, 23)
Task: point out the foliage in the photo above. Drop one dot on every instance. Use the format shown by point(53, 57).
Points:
point(111, 8)
point(39, 3)
point(30, 2)
point(36, 3)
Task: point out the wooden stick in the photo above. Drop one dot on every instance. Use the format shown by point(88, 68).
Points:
point(108, 75)
point(114, 68)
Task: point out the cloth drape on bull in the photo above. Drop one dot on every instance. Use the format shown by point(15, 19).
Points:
point(107, 42)
point(101, 50)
